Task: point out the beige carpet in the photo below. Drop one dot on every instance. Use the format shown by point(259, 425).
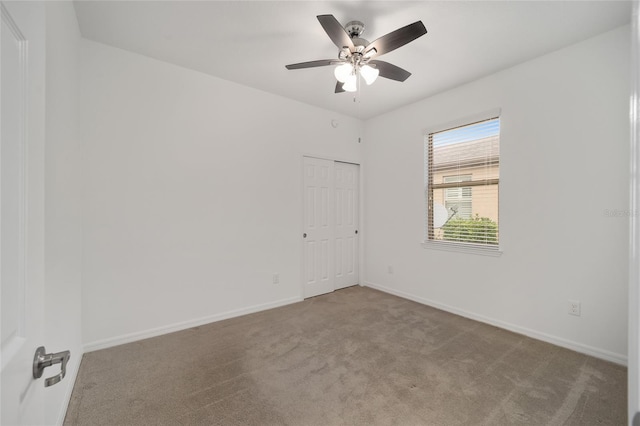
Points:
point(353, 357)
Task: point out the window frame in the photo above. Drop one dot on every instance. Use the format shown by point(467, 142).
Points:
point(456, 246)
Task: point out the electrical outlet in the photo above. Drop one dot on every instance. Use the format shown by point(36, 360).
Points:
point(390, 269)
point(574, 307)
point(276, 278)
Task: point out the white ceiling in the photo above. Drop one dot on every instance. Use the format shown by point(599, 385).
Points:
point(251, 42)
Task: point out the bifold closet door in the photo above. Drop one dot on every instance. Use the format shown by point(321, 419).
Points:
point(330, 235)
point(318, 234)
point(346, 213)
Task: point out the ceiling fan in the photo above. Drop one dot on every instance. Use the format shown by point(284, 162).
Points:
point(356, 55)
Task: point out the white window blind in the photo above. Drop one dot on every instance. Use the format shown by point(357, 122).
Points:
point(462, 168)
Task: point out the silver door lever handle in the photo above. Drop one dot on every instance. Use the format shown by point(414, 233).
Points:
point(43, 360)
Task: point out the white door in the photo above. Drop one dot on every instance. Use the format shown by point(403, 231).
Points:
point(330, 232)
point(318, 227)
point(21, 209)
point(346, 224)
point(633, 372)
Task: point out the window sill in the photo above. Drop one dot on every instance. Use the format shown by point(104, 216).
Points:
point(493, 251)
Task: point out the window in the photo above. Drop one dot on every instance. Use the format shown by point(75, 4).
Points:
point(462, 170)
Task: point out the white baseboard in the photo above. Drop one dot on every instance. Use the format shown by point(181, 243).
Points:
point(145, 334)
point(558, 341)
point(71, 376)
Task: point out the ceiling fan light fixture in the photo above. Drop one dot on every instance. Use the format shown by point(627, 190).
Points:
point(369, 74)
point(342, 72)
point(355, 53)
point(351, 85)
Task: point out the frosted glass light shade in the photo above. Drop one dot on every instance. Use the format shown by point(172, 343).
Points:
point(342, 72)
point(369, 74)
point(370, 52)
point(351, 84)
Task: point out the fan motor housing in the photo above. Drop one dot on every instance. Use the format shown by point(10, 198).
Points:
point(354, 28)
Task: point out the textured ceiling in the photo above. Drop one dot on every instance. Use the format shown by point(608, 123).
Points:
point(251, 42)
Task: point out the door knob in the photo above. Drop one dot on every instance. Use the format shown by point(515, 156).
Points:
point(356, 231)
point(42, 360)
point(304, 235)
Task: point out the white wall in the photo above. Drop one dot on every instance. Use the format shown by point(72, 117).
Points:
point(192, 194)
point(564, 161)
point(63, 225)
